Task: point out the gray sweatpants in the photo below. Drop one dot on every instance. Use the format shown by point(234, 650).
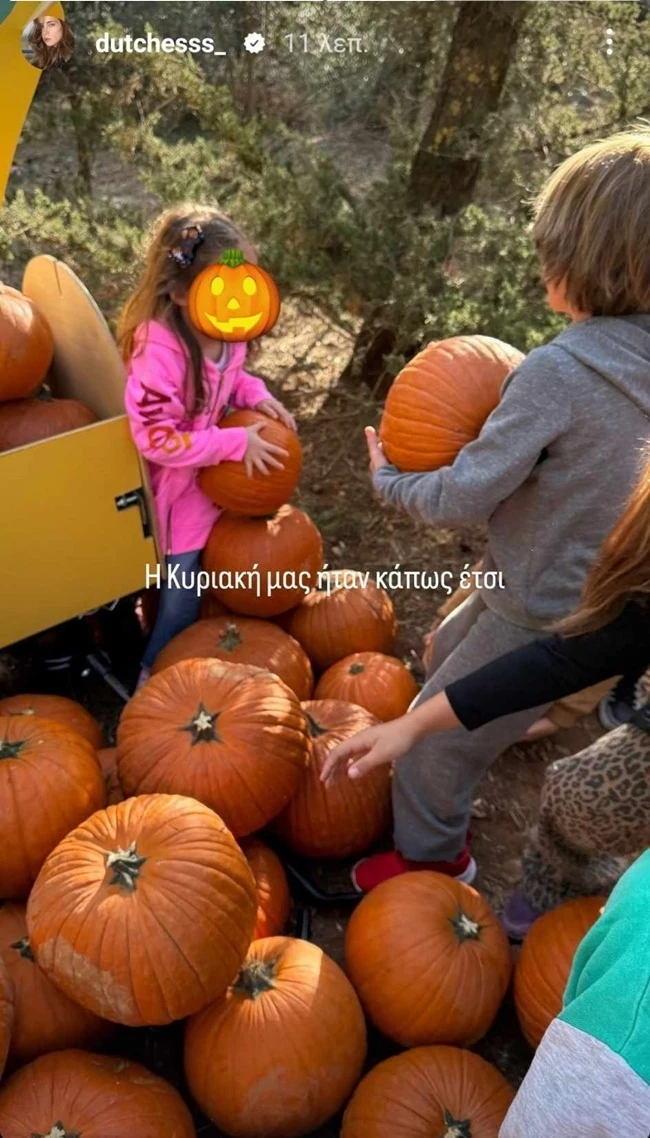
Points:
point(434, 783)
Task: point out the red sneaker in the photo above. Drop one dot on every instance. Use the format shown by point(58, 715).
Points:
point(371, 871)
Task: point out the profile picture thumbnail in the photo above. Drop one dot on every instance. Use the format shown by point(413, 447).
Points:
point(48, 42)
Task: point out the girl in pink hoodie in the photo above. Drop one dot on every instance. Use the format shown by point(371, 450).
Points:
point(179, 385)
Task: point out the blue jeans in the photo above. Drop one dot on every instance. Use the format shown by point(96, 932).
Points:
point(178, 607)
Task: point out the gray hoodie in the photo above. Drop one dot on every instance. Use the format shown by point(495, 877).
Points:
point(552, 468)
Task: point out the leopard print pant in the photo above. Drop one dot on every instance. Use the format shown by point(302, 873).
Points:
point(594, 819)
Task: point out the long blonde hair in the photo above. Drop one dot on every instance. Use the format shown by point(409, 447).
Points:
point(621, 571)
point(152, 298)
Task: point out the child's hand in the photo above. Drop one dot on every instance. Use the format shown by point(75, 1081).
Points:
point(375, 450)
point(368, 749)
point(261, 455)
point(274, 409)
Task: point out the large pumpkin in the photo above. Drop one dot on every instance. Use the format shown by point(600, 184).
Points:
point(108, 762)
point(228, 485)
point(281, 1051)
point(31, 420)
point(50, 781)
point(57, 707)
point(6, 1014)
point(72, 1094)
point(26, 345)
point(344, 615)
point(285, 549)
point(273, 899)
point(233, 736)
point(233, 300)
point(382, 684)
point(428, 958)
point(347, 816)
point(144, 913)
point(45, 1019)
point(439, 402)
point(241, 640)
point(429, 1092)
point(545, 960)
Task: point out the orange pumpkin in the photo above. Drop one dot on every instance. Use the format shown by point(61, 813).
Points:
point(382, 684)
point(6, 1014)
point(274, 901)
point(545, 960)
point(228, 485)
point(108, 762)
point(239, 640)
point(45, 1019)
point(439, 402)
point(26, 345)
point(50, 781)
point(348, 816)
point(285, 547)
point(30, 420)
point(210, 606)
point(343, 616)
point(58, 708)
point(72, 1094)
point(231, 735)
point(428, 958)
point(441, 1091)
point(233, 300)
point(279, 1054)
point(145, 912)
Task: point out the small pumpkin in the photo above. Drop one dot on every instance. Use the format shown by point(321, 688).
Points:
point(382, 684)
point(442, 1091)
point(50, 781)
point(28, 421)
point(73, 1094)
point(58, 708)
point(108, 762)
point(233, 300)
point(26, 345)
point(279, 1054)
point(228, 485)
point(241, 640)
point(283, 547)
point(45, 1019)
point(6, 1014)
point(274, 901)
point(344, 615)
point(439, 402)
point(429, 959)
point(544, 963)
point(348, 816)
point(144, 913)
point(231, 735)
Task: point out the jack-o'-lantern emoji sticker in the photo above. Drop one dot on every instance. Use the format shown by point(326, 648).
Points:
point(233, 300)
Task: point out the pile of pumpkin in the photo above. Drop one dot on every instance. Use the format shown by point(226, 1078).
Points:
point(28, 412)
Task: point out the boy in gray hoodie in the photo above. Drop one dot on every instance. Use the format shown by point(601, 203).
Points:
point(550, 473)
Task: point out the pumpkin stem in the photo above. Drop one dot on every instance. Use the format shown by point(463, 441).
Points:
point(456, 1128)
point(24, 948)
point(59, 1131)
point(233, 258)
point(255, 977)
point(315, 729)
point(465, 927)
point(356, 669)
point(126, 866)
point(202, 728)
point(10, 750)
point(231, 638)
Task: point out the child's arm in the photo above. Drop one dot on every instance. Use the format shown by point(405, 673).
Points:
point(251, 391)
point(534, 410)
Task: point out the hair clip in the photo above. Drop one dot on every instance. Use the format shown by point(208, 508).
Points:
point(184, 251)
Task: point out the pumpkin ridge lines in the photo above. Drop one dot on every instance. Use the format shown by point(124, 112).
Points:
point(170, 972)
point(224, 914)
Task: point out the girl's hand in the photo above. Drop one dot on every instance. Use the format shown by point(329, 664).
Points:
point(261, 455)
point(375, 449)
point(274, 409)
point(368, 749)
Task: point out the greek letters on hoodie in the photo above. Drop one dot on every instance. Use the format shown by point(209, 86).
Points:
point(177, 444)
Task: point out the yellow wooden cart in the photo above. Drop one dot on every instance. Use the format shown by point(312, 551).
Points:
point(76, 522)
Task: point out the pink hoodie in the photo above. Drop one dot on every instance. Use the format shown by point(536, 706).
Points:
point(175, 444)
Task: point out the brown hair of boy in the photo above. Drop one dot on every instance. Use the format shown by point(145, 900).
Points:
point(592, 226)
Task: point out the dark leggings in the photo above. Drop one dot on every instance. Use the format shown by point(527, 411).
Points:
point(178, 607)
